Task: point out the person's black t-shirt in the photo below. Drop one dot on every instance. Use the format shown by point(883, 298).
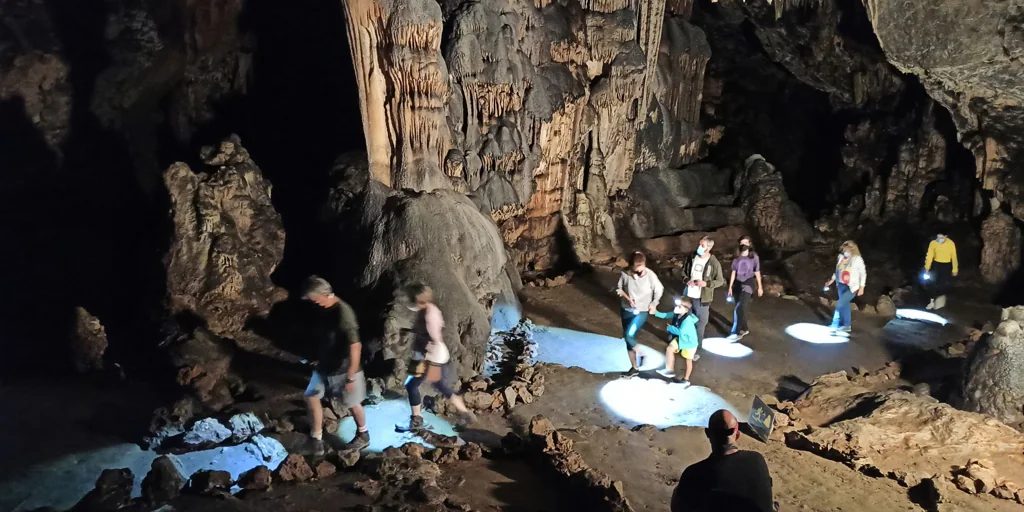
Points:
point(334, 330)
point(739, 482)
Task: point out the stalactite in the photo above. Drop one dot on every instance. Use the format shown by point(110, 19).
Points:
point(652, 17)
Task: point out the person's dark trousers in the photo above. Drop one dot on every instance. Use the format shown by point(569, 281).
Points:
point(703, 311)
point(740, 312)
point(942, 275)
point(632, 322)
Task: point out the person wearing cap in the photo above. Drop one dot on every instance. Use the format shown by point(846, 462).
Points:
point(640, 292)
point(729, 479)
point(338, 371)
point(942, 258)
point(682, 333)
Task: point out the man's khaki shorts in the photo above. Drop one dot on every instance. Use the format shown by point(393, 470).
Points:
point(333, 386)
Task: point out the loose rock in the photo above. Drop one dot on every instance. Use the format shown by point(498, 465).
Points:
point(294, 469)
point(163, 483)
point(256, 479)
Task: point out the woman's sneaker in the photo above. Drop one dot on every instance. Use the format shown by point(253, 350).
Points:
point(360, 441)
point(733, 337)
point(848, 329)
point(633, 372)
point(665, 372)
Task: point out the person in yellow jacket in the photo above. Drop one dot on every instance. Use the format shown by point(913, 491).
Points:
point(942, 258)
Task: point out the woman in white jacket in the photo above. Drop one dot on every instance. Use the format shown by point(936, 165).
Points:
point(850, 276)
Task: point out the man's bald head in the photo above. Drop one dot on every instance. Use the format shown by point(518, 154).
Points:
point(723, 428)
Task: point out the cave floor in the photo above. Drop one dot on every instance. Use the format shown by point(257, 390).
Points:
point(578, 327)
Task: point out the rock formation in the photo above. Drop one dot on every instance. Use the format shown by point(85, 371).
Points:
point(88, 342)
point(228, 239)
point(1000, 255)
point(968, 58)
point(386, 239)
point(549, 110)
point(776, 221)
point(994, 377)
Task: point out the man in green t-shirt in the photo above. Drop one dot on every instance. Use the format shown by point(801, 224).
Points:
point(338, 373)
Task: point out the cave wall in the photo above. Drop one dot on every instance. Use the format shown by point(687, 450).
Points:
point(540, 111)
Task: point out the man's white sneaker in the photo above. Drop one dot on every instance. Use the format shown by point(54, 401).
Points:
point(667, 373)
point(733, 337)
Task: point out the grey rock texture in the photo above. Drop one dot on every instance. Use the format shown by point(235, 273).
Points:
point(994, 377)
point(777, 222)
point(1000, 254)
point(386, 239)
point(163, 483)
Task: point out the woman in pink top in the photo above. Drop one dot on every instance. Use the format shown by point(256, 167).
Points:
point(746, 273)
point(430, 355)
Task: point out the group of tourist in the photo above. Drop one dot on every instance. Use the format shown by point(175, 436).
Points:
point(729, 479)
point(339, 374)
point(640, 291)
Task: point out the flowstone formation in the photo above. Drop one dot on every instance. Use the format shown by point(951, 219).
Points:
point(994, 380)
point(541, 111)
point(385, 239)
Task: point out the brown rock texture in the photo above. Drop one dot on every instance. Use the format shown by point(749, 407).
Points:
point(776, 221)
point(541, 110)
point(1000, 255)
point(228, 239)
point(294, 468)
point(88, 342)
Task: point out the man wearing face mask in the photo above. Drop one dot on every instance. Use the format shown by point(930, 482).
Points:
point(702, 273)
point(640, 291)
point(942, 258)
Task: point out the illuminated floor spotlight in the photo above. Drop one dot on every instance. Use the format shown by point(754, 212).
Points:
point(592, 352)
point(662, 404)
point(815, 333)
point(381, 420)
point(725, 348)
point(923, 316)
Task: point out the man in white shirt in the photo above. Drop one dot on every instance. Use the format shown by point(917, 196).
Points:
point(640, 291)
point(702, 273)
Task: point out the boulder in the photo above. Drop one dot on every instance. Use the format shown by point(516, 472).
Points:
point(325, 469)
point(470, 451)
point(386, 239)
point(88, 342)
point(1000, 254)
point(885, 306)
point(205, 433)
point(163, 483)
point(776, 221)
point(203, 363)
point(113, 491)
point(669, 201)
point(243, 426)
point(227, 239)
point(256, 479)
point(294, 469)
point(207, 481)
point(994, 377)
point(266, 448)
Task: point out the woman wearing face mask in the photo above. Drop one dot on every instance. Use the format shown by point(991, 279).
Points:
point(942, 257)
point(850, 277)
point(746, 271)
point(430, 356)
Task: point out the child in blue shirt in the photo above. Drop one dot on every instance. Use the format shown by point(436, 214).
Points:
point(682, 330)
